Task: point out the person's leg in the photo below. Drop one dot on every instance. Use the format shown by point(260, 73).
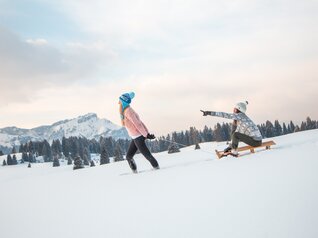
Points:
point(237, 137)
point(229, 148)
point(130, 155)
point(142, 147)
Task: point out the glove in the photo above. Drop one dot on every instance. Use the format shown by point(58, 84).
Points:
point(205, 113)
point(150, 136)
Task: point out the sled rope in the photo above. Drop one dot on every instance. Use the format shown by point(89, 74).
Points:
point(187, 146)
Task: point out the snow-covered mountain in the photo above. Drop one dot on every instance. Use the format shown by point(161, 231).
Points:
point(272, 193)
point(89, 126)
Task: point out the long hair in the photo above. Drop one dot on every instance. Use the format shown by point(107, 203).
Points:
point(122, 109)
point(121, 113)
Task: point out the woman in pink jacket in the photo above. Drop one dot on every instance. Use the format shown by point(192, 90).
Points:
point(137, 131)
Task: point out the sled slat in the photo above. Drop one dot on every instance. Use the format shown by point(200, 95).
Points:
point(266, 144)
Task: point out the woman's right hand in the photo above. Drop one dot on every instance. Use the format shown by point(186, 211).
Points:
point(205, 113)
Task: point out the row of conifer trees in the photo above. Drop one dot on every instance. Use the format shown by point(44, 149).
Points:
point(74, 147)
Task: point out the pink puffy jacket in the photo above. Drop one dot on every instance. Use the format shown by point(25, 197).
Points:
point(133, 124)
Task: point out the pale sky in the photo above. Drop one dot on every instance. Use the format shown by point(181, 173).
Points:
point(64, 58)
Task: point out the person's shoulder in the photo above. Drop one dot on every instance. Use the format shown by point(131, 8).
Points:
point(241, 115)
point(129, 110)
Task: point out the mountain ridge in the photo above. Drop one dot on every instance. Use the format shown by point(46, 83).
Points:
point(88, 125)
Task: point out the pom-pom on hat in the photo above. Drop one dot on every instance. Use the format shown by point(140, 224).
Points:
point(241, 106)
point(126, 97)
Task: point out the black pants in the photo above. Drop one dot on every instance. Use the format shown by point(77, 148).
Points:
point(139, 144)
point(237, 137)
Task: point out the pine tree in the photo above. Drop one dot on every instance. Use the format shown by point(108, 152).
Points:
point(30, 147)
point(163, 143)
point(207, 134)
point(92, 163)
point(14, 160)
point(285, 130)
point(197, 147)
point(292, 127)
point(194, 135)
point(226, 132)
point(118, 154)
point(303, 126)
point(46, 152)
point(109, 143)
point(310, 124)
point(278, 128)
point(297, 129)
point(218, 132)
point(29, 165)
point(85, 159)
point(31, 158)
point(56, 162)
point(86, 156)
point(69, 161)
point(173, 148)
point(74, 147)
point(21, 150)
point(95, 147)
point(9, 160)
point(155, 146)
point(4, 163)
point(1, 153)
point(289, 129)
point(37, 149)
point(78, 163)
point(104, 158)
point(65, 147)
point(56, 149)
point(269, 130)
point(25, 157)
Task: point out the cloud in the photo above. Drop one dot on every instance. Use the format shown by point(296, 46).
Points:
point(20, 58)
point(23, 66)
point(37, 42)
point(33, 64)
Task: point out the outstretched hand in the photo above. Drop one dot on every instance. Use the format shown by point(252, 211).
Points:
point(205, 113)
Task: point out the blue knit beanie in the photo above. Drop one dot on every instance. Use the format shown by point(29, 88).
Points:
point(126, 99)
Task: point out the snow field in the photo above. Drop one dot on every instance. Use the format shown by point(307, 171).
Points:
point(267, 194)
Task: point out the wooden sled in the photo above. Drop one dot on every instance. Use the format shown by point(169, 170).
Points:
point(266, 144)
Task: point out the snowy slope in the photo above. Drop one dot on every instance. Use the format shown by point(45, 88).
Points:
point(89, 126)
point(268, 194)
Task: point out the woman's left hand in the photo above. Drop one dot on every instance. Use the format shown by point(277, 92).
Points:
point(150, 136)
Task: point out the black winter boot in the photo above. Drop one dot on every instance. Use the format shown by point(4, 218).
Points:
point(132, 165)
point(228, 149)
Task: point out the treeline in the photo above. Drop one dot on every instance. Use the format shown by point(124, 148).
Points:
point(222, 132)
point(73, 147)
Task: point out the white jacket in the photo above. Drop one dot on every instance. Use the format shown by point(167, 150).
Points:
point(244, 124)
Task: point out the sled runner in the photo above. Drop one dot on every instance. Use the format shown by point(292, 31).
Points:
point(266, 144)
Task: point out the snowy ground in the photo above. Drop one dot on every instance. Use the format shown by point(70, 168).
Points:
point(268, 194)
